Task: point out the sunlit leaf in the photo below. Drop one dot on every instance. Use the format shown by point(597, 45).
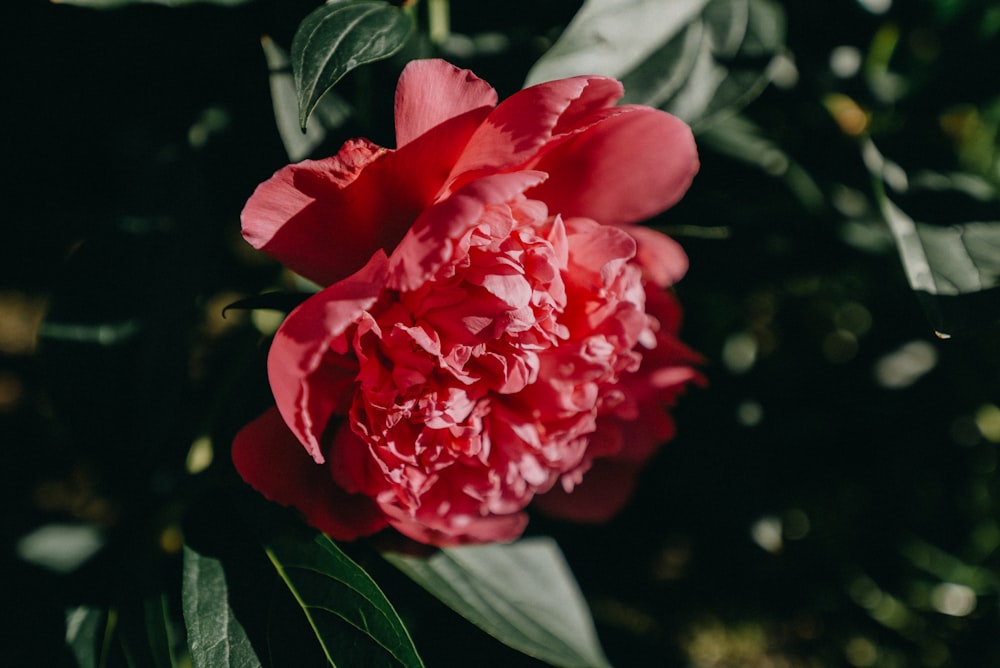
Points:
point(693, 58)
point(338, 37)
point(215, 636)
point(612, 37)
point(353, 621)
point(523, 594)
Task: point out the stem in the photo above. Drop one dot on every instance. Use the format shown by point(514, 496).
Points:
point(438, 21)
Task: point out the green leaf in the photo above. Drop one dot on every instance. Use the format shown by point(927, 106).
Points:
point(332, 110)
point(84, 626)
point(338, 37)
point(523, 594)
point(145, 631)
point(739, 137)
point(952, 265)
point(697, 59)
point(351, 617)
point(276, 301)
point(215, 636)
point(612, 37)
point(113, 4)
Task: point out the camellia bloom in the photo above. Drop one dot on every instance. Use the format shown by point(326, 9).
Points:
point(493, 332)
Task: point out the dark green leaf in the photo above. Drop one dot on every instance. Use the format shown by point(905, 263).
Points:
point(740, 138)
point(351, 617)
point(277, 301)
point(145, 633)
point(523, 594)
point(338, 37)
point(331, 109)
point(84, 627)
point(693, 58)
point(215, 636)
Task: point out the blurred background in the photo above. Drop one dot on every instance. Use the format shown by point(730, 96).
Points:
point(830, 497)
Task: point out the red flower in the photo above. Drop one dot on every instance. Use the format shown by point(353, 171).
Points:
point(493, 330)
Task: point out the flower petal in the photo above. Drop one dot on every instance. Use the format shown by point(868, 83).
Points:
point(451, 529)
point(323, 218)
point(270, 458)
point(525, 121)
point(429, 243)
point(309, 381)
point(629, 167)
point(605, 490)
point(662, 259)
point(431, 92)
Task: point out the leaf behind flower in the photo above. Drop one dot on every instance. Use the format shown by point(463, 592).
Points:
point(353, 620)
point(338, 37)
point(523, 594)
point(696, 59)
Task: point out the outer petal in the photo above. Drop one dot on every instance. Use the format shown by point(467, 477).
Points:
point(271, 460)
point(629, 167)
point(431, 92)
point(287, 215)
point(605, 490)
point(324, 218)
point(527, 120)
point(662, 259)
point(309, 381)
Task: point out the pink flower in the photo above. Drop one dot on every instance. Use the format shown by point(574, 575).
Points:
point(494, 331)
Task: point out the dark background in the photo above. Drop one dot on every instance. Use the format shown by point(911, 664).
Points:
point(879, 499)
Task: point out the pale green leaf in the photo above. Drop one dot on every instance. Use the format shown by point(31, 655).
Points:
point(612, 37)
point(523, 594)
point(697, 59)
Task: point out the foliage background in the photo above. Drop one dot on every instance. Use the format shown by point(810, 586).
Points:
point(809, 513)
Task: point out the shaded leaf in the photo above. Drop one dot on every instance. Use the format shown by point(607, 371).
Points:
point(331, 109)
point(276, 301)
point(740, 138)
point(215, 636)
point(338, 37)
point(523, 594)
point(145, 632)
point(612, 37)
point(84, 625)
point(693, 58)
point(943, 262)
point(351, 617)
